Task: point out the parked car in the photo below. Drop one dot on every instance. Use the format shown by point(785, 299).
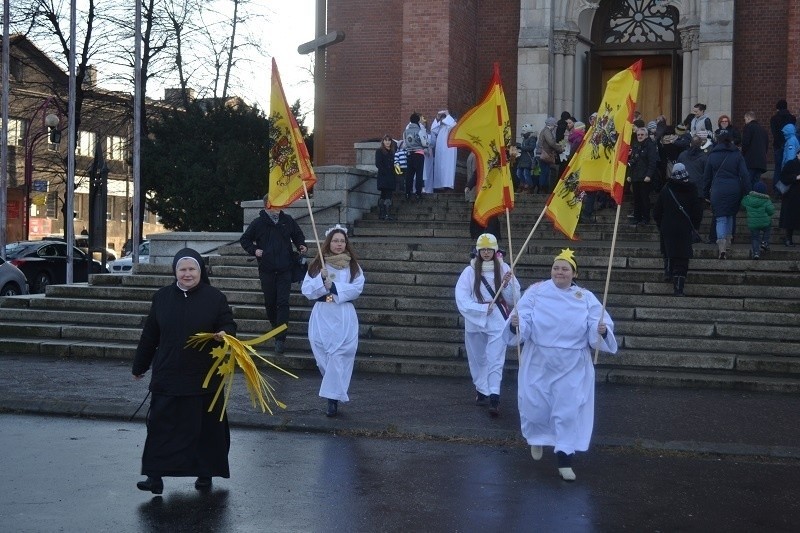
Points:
point(45, 263)
point(12, 280)
point(82, 242)
point(125, 264)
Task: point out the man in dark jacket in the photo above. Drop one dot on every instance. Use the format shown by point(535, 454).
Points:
point(642, 165)
point(781, 118)
point(269, 237)
point(754, 147)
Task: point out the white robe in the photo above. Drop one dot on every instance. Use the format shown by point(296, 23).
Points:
point(483, 333)
point(333, 330)
point(444, 162)
point(556, 374)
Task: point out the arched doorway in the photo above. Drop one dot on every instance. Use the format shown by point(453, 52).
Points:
point(626, 30)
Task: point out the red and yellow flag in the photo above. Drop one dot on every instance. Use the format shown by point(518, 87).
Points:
point(600, 162)
point(486, 131)
point(289, 162)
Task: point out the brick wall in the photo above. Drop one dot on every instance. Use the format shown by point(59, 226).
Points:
point(415, 55)
point(760, 55)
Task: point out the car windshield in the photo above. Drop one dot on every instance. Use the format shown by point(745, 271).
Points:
point(15, 249)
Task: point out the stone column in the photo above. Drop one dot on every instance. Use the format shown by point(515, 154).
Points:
point(558, 74)
point(689, 80)
point(715, 57)
point(534, 70)
point(570, 42)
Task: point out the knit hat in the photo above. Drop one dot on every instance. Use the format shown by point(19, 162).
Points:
point(760, 187)
point(486, 240)
point(527, 128)
point(579, 126)
point(679, 172)
point(680, 129)
point(651, 126)
point(551, 121)
point(568, 256)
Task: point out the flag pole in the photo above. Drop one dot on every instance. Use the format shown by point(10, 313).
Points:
point(313, 225)
point(530, 235)
point(608, 274)
point(511, 260)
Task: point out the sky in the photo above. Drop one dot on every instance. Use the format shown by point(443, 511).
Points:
point(291, 23)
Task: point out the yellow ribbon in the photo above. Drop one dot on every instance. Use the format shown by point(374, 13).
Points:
point(236, 352)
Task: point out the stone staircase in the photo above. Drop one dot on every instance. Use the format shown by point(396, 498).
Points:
point(735, 329)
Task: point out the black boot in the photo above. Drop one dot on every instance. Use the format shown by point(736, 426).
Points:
point(151, 484)
point(678, 283)
point(381, 210)
point(388, 204)
point(667, 270)
point(203, 483)
point(494, 405)
point(333, 408)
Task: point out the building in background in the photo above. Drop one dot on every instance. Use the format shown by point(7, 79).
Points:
point(37, 140)
point(554, 56)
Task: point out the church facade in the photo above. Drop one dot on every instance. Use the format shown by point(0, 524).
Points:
point(554, 56)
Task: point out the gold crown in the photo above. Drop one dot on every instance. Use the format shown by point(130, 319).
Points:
point(568, 256)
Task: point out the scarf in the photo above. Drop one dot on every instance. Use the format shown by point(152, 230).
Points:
point(339, 261)
point(486, 266)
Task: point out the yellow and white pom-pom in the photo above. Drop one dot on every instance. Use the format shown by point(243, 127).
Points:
point(235, 352)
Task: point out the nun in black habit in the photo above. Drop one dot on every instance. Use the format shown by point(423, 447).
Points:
point(183, 438)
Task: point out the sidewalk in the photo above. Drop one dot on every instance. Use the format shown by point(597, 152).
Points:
point(689, 420)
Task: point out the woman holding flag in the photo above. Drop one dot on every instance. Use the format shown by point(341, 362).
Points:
point(333, 327)
point(483, 320)
point(560, 323)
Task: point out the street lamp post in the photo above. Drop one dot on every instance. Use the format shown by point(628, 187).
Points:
point(49, 128)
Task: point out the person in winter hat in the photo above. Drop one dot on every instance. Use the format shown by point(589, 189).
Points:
point(759, 209)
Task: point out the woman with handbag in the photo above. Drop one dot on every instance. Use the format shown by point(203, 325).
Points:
point(678, 212)
point(727, 181)
point(333, 325)
point(548, 150)
point(483, 320)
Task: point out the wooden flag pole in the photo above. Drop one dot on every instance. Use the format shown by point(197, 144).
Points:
point(313, 225)
point(536, 225)
point(608, 274)
point(511, 261)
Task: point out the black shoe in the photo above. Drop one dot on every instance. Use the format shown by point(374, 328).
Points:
point(480, 399)
point(408, 197)
point(279, 346)
point(202, 483)
point(151, 484)
point(764, 247)
point(788, 242)
point(333, 408)
point(494, 405)
point(419, 197)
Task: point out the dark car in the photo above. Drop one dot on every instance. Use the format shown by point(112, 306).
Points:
point(45, 262)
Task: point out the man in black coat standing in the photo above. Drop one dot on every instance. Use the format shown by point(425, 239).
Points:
point(269, 238)
point(754, 147)
point(642, 165)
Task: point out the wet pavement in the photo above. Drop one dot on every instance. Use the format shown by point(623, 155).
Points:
point(407, 453)
point(79, 474)
point(723, 422)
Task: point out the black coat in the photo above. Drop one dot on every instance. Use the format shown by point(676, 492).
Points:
point(174, 316)
point(274, 239)
point(384, 160)
point(677, 228)
point(790, 202)
point(643, 160)
point(755, 142)
point(776, 123)
point(727, 180)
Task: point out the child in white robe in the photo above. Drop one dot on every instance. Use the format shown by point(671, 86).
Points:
point(484, 320)
point(333, 326)
point(560, 323)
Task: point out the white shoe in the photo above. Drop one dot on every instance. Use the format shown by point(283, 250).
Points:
point(536, 452)
point(567, 474)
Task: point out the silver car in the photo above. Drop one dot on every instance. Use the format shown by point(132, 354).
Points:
point(12, 280)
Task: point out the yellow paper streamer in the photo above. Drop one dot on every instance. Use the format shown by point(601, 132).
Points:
point(235, 352)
